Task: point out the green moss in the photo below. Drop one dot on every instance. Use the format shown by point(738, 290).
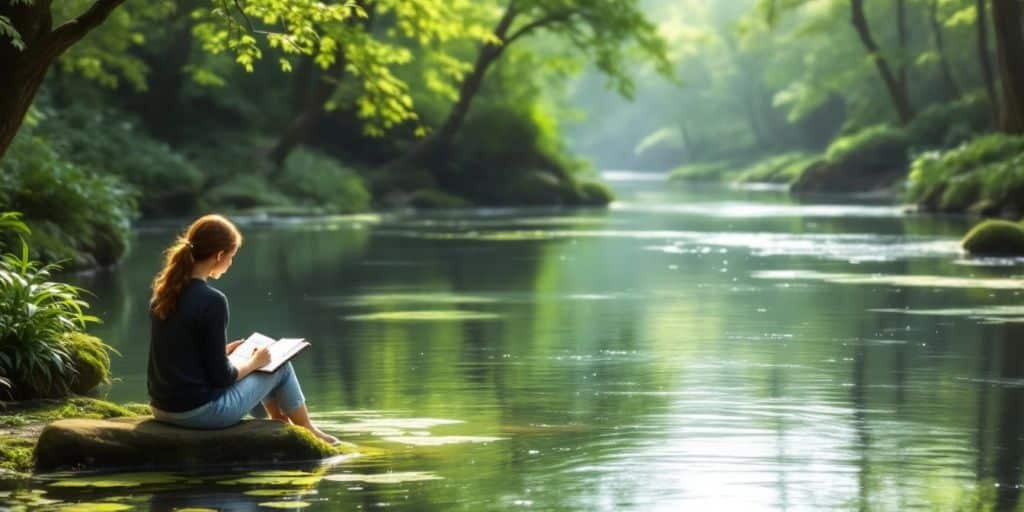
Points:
point(533, 188)
point(91, 362)
point(16, 453)
point(995, 237)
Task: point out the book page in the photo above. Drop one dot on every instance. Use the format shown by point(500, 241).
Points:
point(282, 350)
point(243, 352)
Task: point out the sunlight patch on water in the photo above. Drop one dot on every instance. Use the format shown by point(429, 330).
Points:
point(389, 299)
point(748, 210)
point(424, 316)
point(440, 440)
point(915, 281)
point(396, 477)
point(988, 314)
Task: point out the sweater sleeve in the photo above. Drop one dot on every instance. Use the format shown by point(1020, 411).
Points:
point(213, 339)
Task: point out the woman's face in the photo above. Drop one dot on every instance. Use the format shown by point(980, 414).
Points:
point(223, 263)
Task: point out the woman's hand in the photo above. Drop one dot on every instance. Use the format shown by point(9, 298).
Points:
point(233, 345)
point(260, 357)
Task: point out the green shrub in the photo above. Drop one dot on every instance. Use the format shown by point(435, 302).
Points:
point(313, 177)
point(243, 192)
point(878, 146)
point(43, 351)
point(432, 198)
point(784, 168)
point(109, 142)
point(987, 169)
point(995, 237)
point(705, 171)
point(947, 125)
point(593, 193)
point(75, 215)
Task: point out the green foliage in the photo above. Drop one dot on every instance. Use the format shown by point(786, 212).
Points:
point(42, 345)
point(593, 193)
point(995, 237)
point(315, 178)
point(873, 147)
point(74, 214)
point(946, 125)
point(705, 171)
point(244, 192)
point(987, 170)
point(784, 168)
point(111, 143)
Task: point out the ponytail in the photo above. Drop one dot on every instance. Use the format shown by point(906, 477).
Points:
point(207, 236)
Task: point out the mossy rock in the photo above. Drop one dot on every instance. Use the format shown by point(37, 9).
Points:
point(593, 193)
point(996, 238)
point(144, 443)
point(533, 188)
point(91, 360)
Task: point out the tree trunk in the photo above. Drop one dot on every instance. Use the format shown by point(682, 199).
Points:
point(1006, 19)
point(901, 28)
point(940, 47)
point(430, 146)
point(302, 125)
point(24, 70)
point(985, 61)
point(897, 91)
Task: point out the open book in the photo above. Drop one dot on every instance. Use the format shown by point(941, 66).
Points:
point(281, 351)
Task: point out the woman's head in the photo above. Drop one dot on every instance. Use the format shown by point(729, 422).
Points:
point(209, 244)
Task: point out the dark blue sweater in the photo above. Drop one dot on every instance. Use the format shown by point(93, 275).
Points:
point(187, 364)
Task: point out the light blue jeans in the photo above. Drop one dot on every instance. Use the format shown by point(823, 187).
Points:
point(246, 395)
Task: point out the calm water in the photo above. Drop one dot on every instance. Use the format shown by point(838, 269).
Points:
point(688, 348)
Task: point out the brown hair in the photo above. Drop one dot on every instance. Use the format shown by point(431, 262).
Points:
point(203, 239)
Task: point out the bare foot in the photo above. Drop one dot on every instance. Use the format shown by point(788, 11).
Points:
point(325, 437)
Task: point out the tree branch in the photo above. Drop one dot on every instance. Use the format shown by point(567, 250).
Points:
point(554, 17)
point(71, 31)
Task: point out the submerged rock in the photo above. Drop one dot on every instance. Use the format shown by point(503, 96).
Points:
point(144, 443)
point(995, 237)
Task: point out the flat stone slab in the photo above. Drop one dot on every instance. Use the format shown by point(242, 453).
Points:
point(144, 443)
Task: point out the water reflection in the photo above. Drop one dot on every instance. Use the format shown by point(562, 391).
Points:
point(736, 351)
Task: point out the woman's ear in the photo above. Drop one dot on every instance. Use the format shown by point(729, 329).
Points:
point(219, 254)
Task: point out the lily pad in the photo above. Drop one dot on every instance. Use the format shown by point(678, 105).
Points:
point(385, 478)
point(285, 504)
point(441, 440)
point(278, 492)
point(424, 316)
point(119, 480)
point(95, 507)
point(299, 481)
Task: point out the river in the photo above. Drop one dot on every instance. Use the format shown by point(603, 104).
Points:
point(695, 348)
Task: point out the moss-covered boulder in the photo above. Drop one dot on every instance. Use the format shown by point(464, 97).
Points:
point(995, 237)
point(592, 193)
point(144, 443)
point(872, 159)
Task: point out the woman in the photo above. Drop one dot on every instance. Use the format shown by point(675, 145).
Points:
point(191, 382)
